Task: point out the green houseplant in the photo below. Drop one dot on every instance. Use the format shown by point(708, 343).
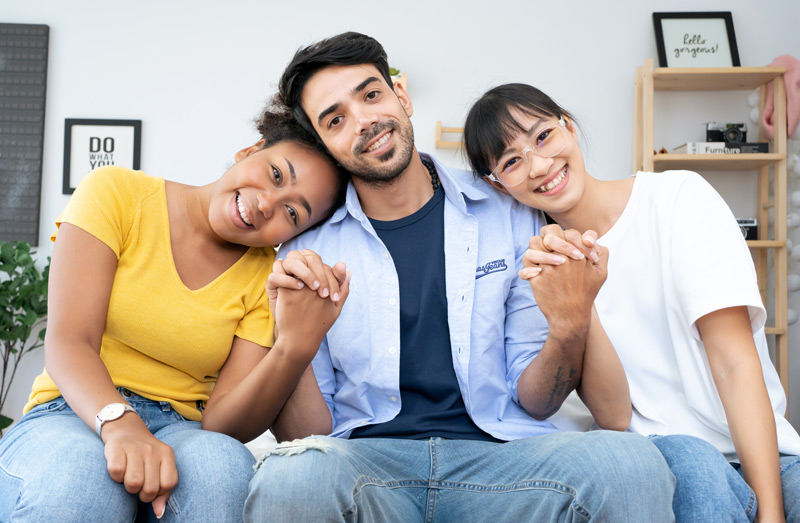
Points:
point(23, 308)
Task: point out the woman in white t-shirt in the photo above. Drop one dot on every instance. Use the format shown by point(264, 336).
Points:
point(681, 305)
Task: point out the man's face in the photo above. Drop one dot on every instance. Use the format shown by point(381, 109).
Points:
point(362, 121)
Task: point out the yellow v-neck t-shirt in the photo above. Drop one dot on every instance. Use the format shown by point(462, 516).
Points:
point(162, 340)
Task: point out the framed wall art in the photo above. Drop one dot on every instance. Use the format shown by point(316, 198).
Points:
point(89, 144)
point(696, 39)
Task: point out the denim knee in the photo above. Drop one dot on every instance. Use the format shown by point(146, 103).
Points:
point(707, 485)
point(214, 472)
point(295, 472)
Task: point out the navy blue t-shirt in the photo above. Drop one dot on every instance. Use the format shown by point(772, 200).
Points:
point(432, 405)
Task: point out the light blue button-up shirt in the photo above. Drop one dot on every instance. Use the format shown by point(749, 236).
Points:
point(496, 329)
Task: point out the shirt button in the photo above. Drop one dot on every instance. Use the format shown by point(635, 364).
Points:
point(392, 301)
point(392, 350)
point(393, 399)
point(363, 422)
point(386, 255)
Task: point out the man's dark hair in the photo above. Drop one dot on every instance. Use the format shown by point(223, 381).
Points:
point(343, 49)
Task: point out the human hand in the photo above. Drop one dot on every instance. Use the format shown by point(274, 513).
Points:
point(565, 293)
point(556, 246)
point(303, 318)
point(140, 461)
point(305, 268)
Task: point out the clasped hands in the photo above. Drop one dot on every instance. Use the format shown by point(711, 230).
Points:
point(565, 270)
point(306, 296)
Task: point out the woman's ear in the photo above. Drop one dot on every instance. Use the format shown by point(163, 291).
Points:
point(571, 126)
point(247, 151)
point(499, 186)
point(405, 101)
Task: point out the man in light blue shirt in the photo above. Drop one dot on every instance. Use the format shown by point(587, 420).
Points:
point(437, 379)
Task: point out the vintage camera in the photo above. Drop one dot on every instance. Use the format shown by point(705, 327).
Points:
point(749, 228)
point(729, 133)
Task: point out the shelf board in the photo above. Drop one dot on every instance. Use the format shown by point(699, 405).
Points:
point(713, 78)
point(774, 330)
point(716, 162)
point(765, 244)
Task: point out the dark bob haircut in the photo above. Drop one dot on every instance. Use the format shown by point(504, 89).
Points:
point(491, 126)
point(343, 49)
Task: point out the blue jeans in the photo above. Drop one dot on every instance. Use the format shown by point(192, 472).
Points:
point(711, 489)
point(609, 476)
point(52, 468)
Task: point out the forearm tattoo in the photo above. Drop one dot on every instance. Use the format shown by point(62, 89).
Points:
point(562, 386)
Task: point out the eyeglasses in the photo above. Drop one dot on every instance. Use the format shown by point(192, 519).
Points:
point(513, 168)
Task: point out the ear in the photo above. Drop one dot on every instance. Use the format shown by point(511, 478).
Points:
point(571, 127)
point(247, 151)
point(499, 186)
point(405, 101)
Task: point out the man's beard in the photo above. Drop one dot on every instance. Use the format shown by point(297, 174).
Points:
point(385, 171)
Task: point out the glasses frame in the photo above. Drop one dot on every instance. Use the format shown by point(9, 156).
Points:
point(530, 148)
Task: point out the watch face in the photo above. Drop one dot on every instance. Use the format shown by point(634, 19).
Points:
point(113, 411)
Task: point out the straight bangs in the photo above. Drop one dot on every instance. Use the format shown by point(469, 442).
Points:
point(492, 123)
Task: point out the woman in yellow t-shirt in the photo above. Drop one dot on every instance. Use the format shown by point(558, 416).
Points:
point(158, 319)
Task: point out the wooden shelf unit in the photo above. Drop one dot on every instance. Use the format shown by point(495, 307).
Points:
point(648, 80)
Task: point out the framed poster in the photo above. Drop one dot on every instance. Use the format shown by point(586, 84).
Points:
point(89, 144)
point(698, 39)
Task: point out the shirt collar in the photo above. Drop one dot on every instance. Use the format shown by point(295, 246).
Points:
point(456, 189)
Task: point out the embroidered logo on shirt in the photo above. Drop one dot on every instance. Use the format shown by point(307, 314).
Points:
point(492, 266)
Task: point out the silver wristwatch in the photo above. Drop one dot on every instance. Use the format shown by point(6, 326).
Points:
point(110, 412)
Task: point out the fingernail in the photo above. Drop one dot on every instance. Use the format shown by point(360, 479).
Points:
point(315, 285)
point(325, 293)
point(299, 285)
point(335, 296)
point(536, 270)
point(593, 255)
point(558, 259)
point(578, 255)
point(159, 516)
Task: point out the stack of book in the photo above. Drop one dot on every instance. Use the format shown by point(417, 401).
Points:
point(722, 148)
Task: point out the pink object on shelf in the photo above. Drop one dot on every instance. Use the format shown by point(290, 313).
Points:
point(792, 80)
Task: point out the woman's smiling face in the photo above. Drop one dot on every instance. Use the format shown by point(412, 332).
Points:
point(554, 183)
point(273, 194)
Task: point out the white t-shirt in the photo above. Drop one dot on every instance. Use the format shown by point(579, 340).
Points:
point(676, 254)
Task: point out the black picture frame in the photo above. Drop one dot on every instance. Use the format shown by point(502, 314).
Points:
point(696, 39)
point(89, 144)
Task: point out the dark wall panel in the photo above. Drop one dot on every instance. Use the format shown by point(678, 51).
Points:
point(23, 81)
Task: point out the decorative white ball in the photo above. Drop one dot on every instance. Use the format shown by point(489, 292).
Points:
point(793, 220)
point(795, 254)
point(791, 316)
point(752, 99)
point(754, 116)
point(795, 199)
point(796, 169)
point(789, 245)
point(794, 282)
point(793, 159)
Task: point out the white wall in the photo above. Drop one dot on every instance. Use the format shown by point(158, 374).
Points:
point(197, 72)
